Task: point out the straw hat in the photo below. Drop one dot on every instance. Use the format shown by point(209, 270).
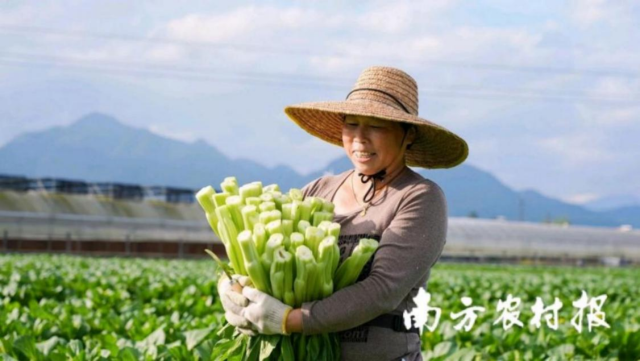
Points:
point(389, 94)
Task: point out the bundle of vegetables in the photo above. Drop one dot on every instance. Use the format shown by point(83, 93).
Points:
point(288, 247)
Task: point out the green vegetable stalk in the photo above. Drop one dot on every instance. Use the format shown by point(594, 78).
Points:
point(230, 185)
point(305, 210)
point(274, 227)
point(250, 190)
point(268, 216)
point(291, 211)
point(252, 262)
point(313, 236)
point(282, 200)
point(304, 261)
point(287, 227)
point(334, 229)
point(234, 204)
point(316, 205)
point(229, 235)
point(288, 247)
point(253, 201)
point(220, 199)
point(312, 281)
point(275, 241)
point(328, 207)
point(266, 197)
point(295, 194)
point(260, 237)
point(212, 219)
point(282, 276)
point(297, 240)
point(275, 194)
point(267, 206)
point(324, 225)
point(204, 199)
point(350, 269)
point(271, 188)
point(325, 264)
point(302, 226)
point(321, 216)
point(249, 217)
point(234, 257)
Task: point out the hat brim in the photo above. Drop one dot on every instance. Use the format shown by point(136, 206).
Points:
point(434, 147)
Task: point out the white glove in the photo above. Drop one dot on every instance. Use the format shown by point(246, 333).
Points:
point(241, 324)
point(233, 303)
point(267, 314)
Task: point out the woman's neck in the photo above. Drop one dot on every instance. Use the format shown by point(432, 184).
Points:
point(362, 188)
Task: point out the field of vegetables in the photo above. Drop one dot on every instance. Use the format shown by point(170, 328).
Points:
point(74, 308)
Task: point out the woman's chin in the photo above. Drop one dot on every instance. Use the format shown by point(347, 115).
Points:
point(364, 168)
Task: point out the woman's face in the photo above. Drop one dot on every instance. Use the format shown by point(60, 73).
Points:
point(374, 144)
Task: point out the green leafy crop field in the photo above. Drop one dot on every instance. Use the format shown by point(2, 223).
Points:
point(75, 308)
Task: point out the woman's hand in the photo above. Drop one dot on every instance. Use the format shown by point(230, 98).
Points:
point(233, 302)
point(267, 314)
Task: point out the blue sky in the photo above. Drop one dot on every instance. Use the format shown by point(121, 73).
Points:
point(547, 93)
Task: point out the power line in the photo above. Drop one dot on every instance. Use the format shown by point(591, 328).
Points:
point(246, 79)
point(295, 77)
point(198, 70)
point(157, 74)
point(276, 79)
point(305, 52)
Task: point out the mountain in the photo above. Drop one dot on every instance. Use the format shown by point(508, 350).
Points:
point(626, 215)
point(469, 189)
point(98, 147)
point(612, 202)
point(540, 207)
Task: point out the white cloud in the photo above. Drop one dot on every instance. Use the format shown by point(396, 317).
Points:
point(578, 149)
point(250, 35)
point(166, 53)
point(245, 23)
point(581, 198)
point(30, 14)
point(392, 18)
point(615, 87)
point(589, 12)
point(620, 97)
point(424, 38)
point(497, 43)
point(609, 117)
point(335, 40)
point(460, 45)
point(111, 51)
point(401, 16)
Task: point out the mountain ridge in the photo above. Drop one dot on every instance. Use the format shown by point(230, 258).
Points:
point(98, 147)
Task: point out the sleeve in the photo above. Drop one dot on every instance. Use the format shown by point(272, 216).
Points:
point(408, 249)
point(311, 188)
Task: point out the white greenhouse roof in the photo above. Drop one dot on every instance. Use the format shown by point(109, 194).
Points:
point(484, 237)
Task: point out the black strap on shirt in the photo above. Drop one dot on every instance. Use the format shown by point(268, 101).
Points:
point(372, 190)
point(394, 322)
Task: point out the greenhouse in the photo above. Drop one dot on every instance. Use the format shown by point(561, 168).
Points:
point(88, 223)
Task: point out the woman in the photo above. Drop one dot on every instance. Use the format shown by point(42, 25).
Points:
point(381, 198)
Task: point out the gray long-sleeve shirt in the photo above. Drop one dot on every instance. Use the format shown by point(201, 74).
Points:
point(409, 219)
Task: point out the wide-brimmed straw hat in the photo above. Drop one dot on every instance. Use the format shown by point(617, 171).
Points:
point(390, 94)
